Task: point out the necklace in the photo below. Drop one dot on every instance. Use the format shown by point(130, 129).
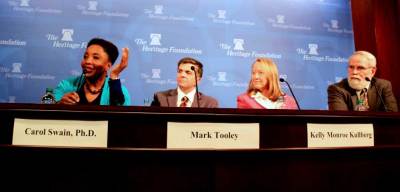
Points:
point(94, 91)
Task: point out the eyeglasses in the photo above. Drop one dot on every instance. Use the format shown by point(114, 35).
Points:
point(358, 68)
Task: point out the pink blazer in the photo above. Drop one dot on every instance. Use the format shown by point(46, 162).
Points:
point(247, 102)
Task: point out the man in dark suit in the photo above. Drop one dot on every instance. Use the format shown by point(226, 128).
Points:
point(361, 91)
point(185, 94)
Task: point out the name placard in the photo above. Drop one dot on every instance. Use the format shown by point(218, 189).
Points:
point(66, 133)
point(213, 135)
point(340, 135)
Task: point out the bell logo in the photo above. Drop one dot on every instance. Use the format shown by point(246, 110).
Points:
point(158, 9)
point(67, 34)
point(221, 76)
point(313, 49)
point(92, 5)
point(24, 3)
point(156, 73)
point(16, 67)
point(221, 14)
point(155, 39)
point(334, 24)
point(280, 19)
point(238, 44)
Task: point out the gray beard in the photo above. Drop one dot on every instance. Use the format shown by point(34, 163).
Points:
point(357, 84)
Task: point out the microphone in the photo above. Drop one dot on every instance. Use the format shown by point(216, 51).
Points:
point(290, 89)
point(197, 87)
point(80, 81)
point(377, 91)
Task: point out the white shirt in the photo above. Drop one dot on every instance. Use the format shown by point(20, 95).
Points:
point(190, 96)
point(267, 103)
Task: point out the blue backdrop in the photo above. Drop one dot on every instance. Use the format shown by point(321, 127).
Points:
point(43, 41)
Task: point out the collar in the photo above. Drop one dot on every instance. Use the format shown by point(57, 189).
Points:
point(189, 95)
point(358, 92)
point(266, 103)
point(258, 95)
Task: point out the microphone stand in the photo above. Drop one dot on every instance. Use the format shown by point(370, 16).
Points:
point(197, 88)
point(377, 91)
point(80, 82)
point(290, 89)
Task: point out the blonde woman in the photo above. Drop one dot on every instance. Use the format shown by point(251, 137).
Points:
point(264, 91)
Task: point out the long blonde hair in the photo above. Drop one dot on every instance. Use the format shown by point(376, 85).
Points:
point(273, 87)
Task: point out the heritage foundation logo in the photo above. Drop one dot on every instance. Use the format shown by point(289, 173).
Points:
point(16, 67)
point(25, 6)
point(92, 5)
point(158, 9)
point(221, 80)
point(238, 50)
point(222, 76)
point(155, 78)
point(158, 12)
point(238, 44)
point(92, 9)
point(16, 73)
point(221, 14)
point(24, 3)
point(155, 39)
point(156, 73)
point(333, 26)
point(153, 45)
point(279, 21)
point(67, 34)
point(66, 40)
point(313, 49)
point(312, 53)
point(220, 17)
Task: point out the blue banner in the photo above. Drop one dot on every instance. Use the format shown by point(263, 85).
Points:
point(43, 41)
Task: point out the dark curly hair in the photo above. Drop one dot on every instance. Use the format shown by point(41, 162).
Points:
point(109, 48)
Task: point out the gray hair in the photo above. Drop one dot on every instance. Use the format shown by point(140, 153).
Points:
point(367, 55)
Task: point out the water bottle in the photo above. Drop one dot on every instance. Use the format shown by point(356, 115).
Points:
point(48, 98)
point(147, 102)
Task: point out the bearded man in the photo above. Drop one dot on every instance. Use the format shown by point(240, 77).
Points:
point(361, 91)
